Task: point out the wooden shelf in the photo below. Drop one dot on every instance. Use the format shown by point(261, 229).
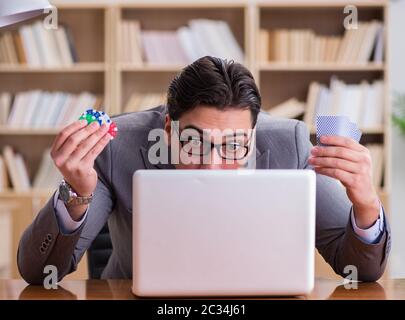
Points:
point(15, 131)
point(169, 16)
point(319, 3)
point(275, 66)
point(95, 26)
point(149, 68)
point(11, 194)
point(78, 67)
point(80, 4)
point(280, 81)
point(162, 4)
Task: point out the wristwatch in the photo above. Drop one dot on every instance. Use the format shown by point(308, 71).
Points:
point(70, 197)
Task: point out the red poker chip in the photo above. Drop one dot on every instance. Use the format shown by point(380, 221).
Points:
point(113, 130)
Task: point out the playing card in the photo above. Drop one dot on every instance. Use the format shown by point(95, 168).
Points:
point(332, 126)
point(336, 126)
point(355, 132)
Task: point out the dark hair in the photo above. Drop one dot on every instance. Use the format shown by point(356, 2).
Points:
point(214, 82)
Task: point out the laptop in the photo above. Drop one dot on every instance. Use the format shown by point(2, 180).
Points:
point(208, 233)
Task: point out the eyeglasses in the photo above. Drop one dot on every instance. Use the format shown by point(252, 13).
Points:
point(197, 146)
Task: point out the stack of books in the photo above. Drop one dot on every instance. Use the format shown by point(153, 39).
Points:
point(356, 46)
point(12, 165)
point(36, 46)
point(144, 101)
point(291, 109)
point(377, 159)
point(363, 103)
point(200, 38)
point(43, 109)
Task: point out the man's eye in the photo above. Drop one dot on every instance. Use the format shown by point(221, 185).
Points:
point(233, 146)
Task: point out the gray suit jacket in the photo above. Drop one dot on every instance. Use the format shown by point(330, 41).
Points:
point(281, 144)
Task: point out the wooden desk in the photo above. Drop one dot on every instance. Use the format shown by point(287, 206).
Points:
point(121, 289)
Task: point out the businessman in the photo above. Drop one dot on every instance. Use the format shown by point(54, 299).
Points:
point(207, 99)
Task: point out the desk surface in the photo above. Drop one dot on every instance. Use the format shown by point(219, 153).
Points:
point(121, 289)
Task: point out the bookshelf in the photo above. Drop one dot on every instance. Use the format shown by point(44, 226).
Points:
point(168, 16)
point(280, 81)
point(78, 67)
point(89, 25)
point(95, 27)
point(325, 67)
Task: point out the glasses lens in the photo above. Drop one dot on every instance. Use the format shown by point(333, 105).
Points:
point(193, 146)
point(233, 151)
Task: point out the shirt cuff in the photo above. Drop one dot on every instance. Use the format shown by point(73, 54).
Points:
point(371, 234)
point(66, 223)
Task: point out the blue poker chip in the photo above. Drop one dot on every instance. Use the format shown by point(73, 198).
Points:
point(92, 115)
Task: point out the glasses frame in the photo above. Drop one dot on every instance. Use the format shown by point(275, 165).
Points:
point(217, 146)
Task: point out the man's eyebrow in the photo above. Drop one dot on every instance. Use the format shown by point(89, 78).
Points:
point(201, 131)
point(190, 126)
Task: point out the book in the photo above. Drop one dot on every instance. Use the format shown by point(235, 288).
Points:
point(48, 176)
point(378, 54)
point(182, 46)
point(377, 159)
point(37, 46)
point(19, 48)
point(292, 108)
point(10, 48)
point(22, 172)
point(4, 183)
point(43, 109)
point(312, 98)
point(30, 46)
point(6, 231)
point(368, 42)
point(63, 47)
point(131, 40)
point(144, 101)
point(363, 103)
point(16, 169)
point(5, 106)
point(355, 46)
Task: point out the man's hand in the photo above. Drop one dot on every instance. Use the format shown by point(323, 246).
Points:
point(74, 151)
point(349, 162)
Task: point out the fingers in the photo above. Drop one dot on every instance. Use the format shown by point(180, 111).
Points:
point(344, 177)
point(337, 163)
point(66, 132)
point(344, 142)
point(72, 142)
point(337, 152)
point(86, 145)
point(91, 156)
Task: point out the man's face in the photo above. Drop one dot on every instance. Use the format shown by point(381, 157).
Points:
point(212, 138)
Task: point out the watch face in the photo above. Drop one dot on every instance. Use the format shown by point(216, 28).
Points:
point(64, 192)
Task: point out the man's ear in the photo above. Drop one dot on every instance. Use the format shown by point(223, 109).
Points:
point(168, 129)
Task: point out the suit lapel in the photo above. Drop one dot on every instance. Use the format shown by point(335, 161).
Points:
point(262, 159)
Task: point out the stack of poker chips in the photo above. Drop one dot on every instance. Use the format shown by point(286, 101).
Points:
point(101, 117)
